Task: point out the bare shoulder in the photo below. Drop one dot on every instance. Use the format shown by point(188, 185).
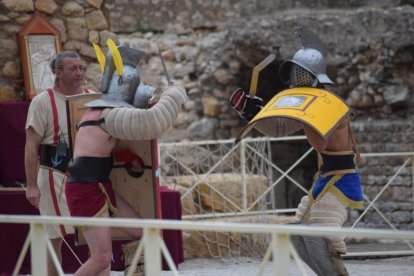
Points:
point(91, 114)
point(340, 139)
point(344, 124)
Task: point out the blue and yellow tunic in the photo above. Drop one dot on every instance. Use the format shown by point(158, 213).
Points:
point(341, 179)
point(346, 187)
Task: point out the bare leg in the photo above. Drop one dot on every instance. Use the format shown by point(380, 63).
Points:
point(57, 246)
point(125, 210)
point(100, 245)
point(106, 271)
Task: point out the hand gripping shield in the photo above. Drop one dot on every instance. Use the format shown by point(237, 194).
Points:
point(311, 56)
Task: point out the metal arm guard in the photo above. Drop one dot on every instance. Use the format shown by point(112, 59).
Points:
point(145, 124)
point(318, 254)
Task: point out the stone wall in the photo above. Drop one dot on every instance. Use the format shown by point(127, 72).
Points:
point(80, 23)
point(212, 46)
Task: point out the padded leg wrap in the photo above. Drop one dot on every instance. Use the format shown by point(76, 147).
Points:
point(302, 213)
point(146, 124)
point(329, 211)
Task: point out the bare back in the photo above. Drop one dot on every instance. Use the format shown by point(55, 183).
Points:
point(93, 141)
point(339, 140)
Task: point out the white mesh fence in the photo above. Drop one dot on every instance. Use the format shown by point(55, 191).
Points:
point(218, 180)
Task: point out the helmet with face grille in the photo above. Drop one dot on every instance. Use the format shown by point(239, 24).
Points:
point(300, 77)
point(311, 57)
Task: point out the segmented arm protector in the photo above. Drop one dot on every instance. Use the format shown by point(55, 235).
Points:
point(145, 124)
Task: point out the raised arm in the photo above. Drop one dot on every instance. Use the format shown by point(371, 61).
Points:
point(339, 140)
point(146, 124)
point(314, 139)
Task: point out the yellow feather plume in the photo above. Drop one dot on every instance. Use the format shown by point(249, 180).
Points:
point(100, 56)
point(116, 56)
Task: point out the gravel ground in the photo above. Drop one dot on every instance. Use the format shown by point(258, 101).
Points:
point(401, 266)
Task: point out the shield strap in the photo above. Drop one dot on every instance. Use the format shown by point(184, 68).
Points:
point(90, 123)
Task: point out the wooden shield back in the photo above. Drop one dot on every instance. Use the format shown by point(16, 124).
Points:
point(75, 108)
point(141, 193)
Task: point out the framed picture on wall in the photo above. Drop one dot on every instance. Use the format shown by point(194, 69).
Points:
point(39, 43)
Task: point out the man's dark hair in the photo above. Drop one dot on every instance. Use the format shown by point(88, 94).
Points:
point(57, 62)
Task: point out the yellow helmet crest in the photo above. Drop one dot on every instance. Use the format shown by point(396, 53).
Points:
point(100, 56)
point(116, 57)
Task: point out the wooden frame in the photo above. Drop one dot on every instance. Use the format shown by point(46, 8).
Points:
point(39, 43)
point(75, 108)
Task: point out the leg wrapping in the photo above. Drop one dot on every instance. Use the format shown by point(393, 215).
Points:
point(329, 211)
point(302, 214)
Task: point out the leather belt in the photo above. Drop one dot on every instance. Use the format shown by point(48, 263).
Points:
point(337, 163)
point(49, 158)
point(90, 169)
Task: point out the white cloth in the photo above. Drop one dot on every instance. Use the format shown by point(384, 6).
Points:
point(40, 118)
point(328, 211)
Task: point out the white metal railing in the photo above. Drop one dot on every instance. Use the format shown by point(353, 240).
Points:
point(371, 203)
point(152, 244)
point(248, 144)
point(245, 146)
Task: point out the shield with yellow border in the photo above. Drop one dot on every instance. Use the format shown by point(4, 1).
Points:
point(320, 109)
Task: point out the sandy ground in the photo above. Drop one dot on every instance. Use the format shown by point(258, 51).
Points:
point(401, 266)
